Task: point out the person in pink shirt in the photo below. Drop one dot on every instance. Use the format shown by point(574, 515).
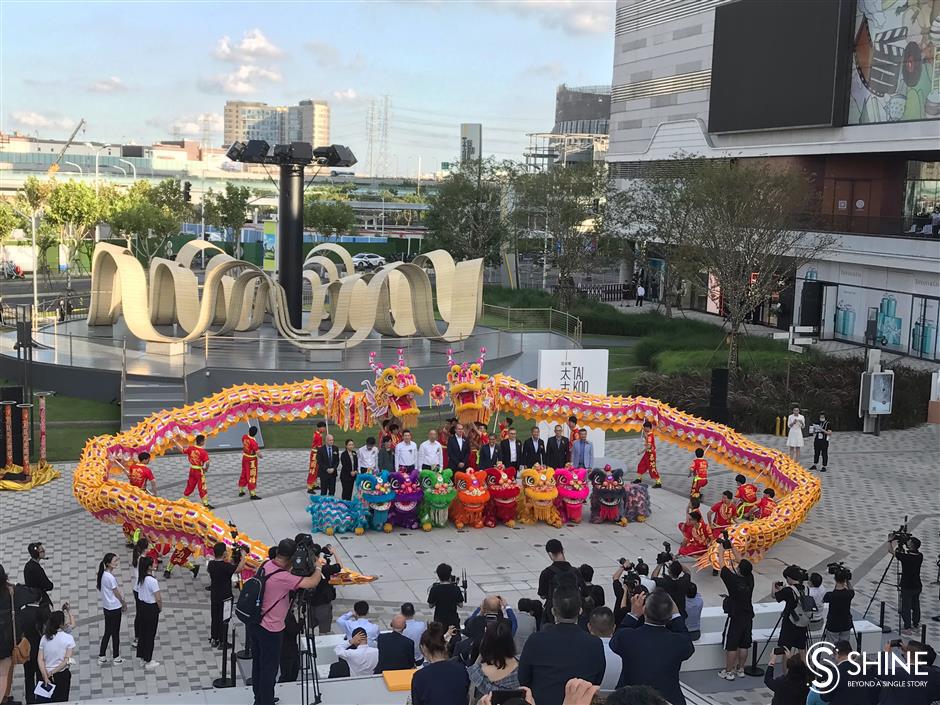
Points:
point(265, 638)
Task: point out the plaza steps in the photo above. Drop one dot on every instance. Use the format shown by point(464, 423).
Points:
point(142, 396)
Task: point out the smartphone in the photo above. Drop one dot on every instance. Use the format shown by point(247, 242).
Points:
point(499, 697)
point(779, 650)
point(897, 643)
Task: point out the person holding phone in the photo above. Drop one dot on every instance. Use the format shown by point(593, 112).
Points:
point(791, 687)
point(497, 667)
point(55, 649)
point(440, 681)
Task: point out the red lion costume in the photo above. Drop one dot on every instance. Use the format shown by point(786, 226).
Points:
point(504, 494)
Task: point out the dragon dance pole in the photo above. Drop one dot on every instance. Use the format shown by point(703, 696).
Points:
point(8, 430)
point(25, 416)
point(42, 426)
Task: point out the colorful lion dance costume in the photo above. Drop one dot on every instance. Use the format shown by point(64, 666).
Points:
point(608, 502)
point(573, 491)
point(472, 496)
point(376, 495)
point(637, 506)
point(336, 516)
point(537, 500)
point(439, 492)
point(504, 496)
point(408, 496)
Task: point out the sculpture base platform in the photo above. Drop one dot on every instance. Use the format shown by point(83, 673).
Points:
point(168, 349)
point(326, 357)
point(441, 346)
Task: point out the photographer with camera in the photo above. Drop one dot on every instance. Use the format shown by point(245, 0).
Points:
point(274, 582)
point(839, 621)
point(627, 580)
point(320, 599)
point(677, 579)
point(220, 585)
point(797, 610)
point(906, 549)
point(739, 606)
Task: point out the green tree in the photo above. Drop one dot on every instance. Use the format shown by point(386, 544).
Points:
point(74, 209)
point(747, 217)
point(9, 221)
point(227, 210)
point(147, 216)
point(330, 218)
point(466, 216)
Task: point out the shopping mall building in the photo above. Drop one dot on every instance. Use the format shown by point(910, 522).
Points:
point(847, 90)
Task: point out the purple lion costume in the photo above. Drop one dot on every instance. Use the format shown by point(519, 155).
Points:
point(408, 496)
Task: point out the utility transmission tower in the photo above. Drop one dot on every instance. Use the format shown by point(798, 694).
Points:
point(383, 144)
point(371, 135)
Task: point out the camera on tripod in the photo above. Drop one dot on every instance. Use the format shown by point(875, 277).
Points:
point(901, 537)
point(306, 557)
point(839, 571)
point(665, 556)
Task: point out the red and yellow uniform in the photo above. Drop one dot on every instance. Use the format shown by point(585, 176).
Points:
point(699, 472)
point(315, 445)
point(198, 464)
point(503, 431)
point(178, 556)
point(648, 461)
point(139, 475)
point(249, 476)
point(697, 536)
point(746, 497)
point(765, 507)
point(724, 517)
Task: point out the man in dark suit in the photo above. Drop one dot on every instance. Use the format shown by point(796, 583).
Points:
point(327, 466)
point(653, 642)
point(489, 454)
point(561, 652)
point(557, 449)
point(458, 450)
point(510, 450)
point(396, 651)
point(533, 450)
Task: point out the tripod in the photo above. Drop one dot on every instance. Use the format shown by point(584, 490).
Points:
point(307, 653)
point(897, 584)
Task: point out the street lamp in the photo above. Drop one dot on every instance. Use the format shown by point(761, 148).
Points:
point(131, 165)
point(97, 154)
point(119, 168)
point(34, 224)
point(80, 172)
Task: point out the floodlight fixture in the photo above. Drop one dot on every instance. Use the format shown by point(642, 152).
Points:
point(235, 151)
point(255, 152)
point(334, 155)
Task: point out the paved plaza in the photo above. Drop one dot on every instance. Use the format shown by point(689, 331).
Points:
point(872, 484)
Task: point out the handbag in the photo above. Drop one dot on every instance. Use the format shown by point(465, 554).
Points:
point(21, 648)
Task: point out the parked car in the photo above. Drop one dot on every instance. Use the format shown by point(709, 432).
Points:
point(367, 260)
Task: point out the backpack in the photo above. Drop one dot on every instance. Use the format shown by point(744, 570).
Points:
point(248, 607)
point(802, 614)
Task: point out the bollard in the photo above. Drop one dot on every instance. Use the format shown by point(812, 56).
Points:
point(754, 669)
point(881, 620)
point(778, 430)
point(923, 633)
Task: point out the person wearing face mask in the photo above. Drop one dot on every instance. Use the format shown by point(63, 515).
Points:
point(822, 434)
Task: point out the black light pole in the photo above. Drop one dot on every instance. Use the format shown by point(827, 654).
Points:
point(290, 238)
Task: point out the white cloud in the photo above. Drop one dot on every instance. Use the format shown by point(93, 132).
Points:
point(329, 56)
point(244, 80)
point(37, 121)
point(112, 84)
point(551, 69)
point(346, 95)
point(579, 17)
point(253, 45)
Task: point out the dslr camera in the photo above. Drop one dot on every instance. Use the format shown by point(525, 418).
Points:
point(665, 556)
point(725, 541)
point(238, 549)
point(839, 571)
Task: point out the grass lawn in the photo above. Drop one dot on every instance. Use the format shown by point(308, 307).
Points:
point(66, 442)
point(62, 408)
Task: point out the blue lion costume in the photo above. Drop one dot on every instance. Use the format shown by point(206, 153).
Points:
point(337, 516)
point(375, 493)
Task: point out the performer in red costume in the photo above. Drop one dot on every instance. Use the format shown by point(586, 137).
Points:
point(698, 472)
point(504, 428)
point(250, 455)
point(139, 474)
point(766, 505)
point(198, 467)
point(722, 513)
point(696, 535)
point(745, 498)
point(648, 461)
point(315, 445)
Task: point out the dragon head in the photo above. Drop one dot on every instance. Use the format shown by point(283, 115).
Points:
point(573, 487)
point(438, 487)
point(466, 388)
point(502, 484)
point(608, 485)
point(394, 392)
point(471, 488)
point(375, 490)
point(539, 485)
point(408, 494)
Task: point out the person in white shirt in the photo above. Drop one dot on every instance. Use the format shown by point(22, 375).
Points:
point(414, 628)
point(114, 605)
point(55, 649)
point(640, 294)
point(369, 456)
point(151, 602)
point(406, 453)
point(361, 656)
point(356, 619)
point(796, 422)
point(431, 453)
point(601, 624)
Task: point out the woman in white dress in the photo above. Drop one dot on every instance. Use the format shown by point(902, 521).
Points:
point(796, 422)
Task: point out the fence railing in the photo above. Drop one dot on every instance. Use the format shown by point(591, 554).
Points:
point(533, 319)
point(595, 292)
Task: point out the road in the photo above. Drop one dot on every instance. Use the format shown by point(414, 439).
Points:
point(20, 291)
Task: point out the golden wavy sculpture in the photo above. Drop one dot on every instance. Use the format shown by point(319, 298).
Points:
point(396, 300)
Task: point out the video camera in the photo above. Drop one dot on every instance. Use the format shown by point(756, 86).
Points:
point(238, 549)
point(665, 556)
point(839, 571)
point(306, 557)
point(724, 541)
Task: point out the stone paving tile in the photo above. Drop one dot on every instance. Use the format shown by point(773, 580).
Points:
point(872, 484)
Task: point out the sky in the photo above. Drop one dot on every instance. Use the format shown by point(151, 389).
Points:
point(139, 72)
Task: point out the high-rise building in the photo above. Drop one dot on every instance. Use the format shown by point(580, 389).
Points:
point(308, 121)
point(848, 92)
point(471, 141)
point(582, 109)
